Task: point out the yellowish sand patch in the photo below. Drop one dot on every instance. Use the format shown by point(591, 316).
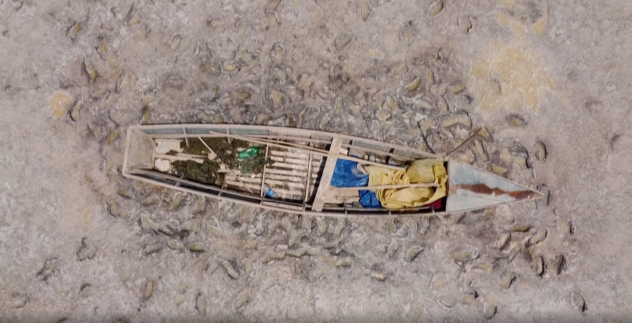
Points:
point(60, 102)
point(508, 76)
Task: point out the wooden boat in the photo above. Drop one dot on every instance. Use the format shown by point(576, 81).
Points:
point(302, 169)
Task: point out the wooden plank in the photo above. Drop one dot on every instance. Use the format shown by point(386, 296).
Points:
point(280, 130)
point(382, 187)
point(317, 151)
point(325, 178)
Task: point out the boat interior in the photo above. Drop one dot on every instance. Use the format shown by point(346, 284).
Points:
point(298, 166)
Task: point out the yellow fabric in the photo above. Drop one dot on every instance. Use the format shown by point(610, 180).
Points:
point(420, 171)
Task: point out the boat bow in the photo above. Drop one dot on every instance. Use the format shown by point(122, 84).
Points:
point(471, 188)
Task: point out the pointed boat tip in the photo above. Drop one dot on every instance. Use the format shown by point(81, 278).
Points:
point(538, 195)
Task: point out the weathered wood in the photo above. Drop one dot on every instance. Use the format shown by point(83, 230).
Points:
point(325, 178)
point(316, 151)
point(382, 187)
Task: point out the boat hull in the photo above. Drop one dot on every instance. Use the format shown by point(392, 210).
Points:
point(297, 172)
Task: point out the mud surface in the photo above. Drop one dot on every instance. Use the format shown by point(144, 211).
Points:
point(550, 81)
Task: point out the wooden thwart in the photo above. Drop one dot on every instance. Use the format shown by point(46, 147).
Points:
point(325, 178)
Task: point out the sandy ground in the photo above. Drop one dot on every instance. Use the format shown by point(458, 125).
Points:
point(347, 66)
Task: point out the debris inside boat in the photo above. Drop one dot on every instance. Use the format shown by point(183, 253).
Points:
point(306, 171)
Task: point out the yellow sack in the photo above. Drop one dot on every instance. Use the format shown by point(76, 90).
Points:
point(420, 171)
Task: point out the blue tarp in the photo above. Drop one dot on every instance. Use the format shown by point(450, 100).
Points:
point(346, 174)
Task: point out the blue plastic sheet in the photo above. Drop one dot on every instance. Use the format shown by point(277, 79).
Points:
point(346, 174)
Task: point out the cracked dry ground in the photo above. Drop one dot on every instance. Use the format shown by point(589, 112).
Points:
point(548, 80)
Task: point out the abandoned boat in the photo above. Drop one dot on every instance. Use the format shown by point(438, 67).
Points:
point(310, 172)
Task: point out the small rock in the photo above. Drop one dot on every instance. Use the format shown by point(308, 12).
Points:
point(538, 266)
point(197, 247)
point(86, 251)
point(538, 237)
point(435, 8)
point(242, 300)
point(230, 269)
point(50, 268)
point(447, 301)
point(392, 248)
point(273, 255)
point(520, 228)
point(516, 120)
point(378, 275)
point(175, 244)
point(74, 112)
point(559, 263)
point(18, 300)
point(502, 240)
point(152, 248)
point(412, 253)
point(489, 311)
point(200, 304)
point(343, 41)
point(578, 302)
point(540, 151)
point(60, 102)
point(126, 194)
point(148, 290)
point(424, 225)
point(507, 279)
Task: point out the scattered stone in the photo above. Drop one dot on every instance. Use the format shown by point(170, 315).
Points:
point(520, 228)
point(365, 10)
point(481, 153)
point(538, 265)
point(273, 255)
point(230, 269)
point(489, 311)
point(447, 301)
point(507, 279)
point(148, 290)
point(18, 300)
point(378, 275)
point(559, 264)
point(484, 266)
point(91, 73)
point(86, 251)
point(74, 112)
point(540, 151)
point(197, 247)
point(175, 244)
point(200, 304)
point(424, 225)
point(242, 300)
point(500, 170)
point(321, 226)
point(175, 42)
point(412, 253)
point(435, 8)
point(578, 301)
point(50, 268)
point(464, 255)
point(126, 194)
point(516, 120)
point(177, 200)
point(152, 248)
point(392, 248)
point(566, 227)
point(60, 102)
point(502, 240)
point(538, 237)
point(343, 41)
point(114, 208)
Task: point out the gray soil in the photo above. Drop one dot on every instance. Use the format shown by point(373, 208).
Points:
point(80, 243)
